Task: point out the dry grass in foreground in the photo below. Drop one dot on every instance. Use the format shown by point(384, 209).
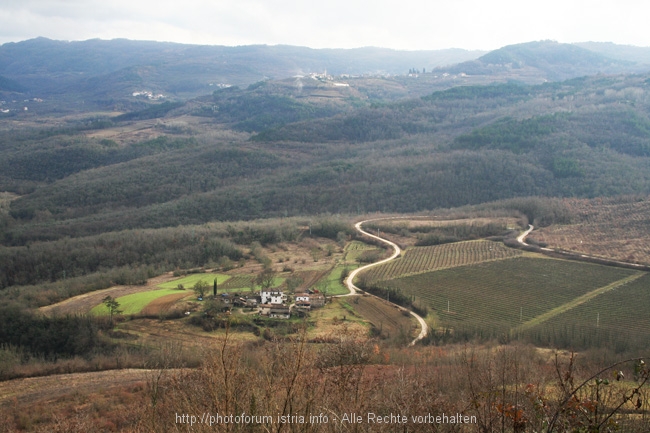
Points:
point(294, 386)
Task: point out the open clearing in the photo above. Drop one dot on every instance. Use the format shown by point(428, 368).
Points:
point(406, 231)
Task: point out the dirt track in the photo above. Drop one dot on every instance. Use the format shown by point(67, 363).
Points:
point(424, 328)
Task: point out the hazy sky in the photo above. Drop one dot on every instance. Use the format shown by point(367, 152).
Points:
point(412, 25)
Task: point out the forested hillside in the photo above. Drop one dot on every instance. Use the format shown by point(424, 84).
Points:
point(584, 137)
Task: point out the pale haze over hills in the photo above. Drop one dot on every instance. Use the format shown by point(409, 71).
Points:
point(416, 25)
point(113, 69)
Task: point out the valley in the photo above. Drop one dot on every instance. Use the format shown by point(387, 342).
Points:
point(465, 238)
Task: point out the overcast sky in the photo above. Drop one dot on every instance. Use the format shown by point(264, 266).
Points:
point(411, 25)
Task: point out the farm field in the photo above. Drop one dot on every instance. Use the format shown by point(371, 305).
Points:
point(423, 259)
point(241, 282)
point(389, 320)
point(356, 249)
point(309, 277)
point(592, 231)
point(407, 232)
point(330, 281)
point(136, 302)
point(620, 318)
point(491, 298)
point(82, 304)
point(189, 281)
point(334, 321)
point(333, 280)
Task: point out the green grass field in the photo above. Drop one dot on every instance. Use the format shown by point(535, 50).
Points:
point(494, 297)
point(189, 280)
point(334, 285)
point(136, 302)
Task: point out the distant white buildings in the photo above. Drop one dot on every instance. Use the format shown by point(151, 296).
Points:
point(149, 95)
point(276, 297)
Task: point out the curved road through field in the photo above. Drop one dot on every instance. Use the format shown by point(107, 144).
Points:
point(576, 255)
point(396, 252)
point(522, 237)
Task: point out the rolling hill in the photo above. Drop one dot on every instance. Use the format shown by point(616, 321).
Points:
point(541, 61)
point(102, 70)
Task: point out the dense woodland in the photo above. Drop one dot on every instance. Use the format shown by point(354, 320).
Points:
point(585, 138)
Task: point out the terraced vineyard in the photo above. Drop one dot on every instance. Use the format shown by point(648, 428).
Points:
point(490, 298)
point(423, 259)
point(620, 318)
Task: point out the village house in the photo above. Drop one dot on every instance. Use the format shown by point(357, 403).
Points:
point(275, 311)
point(272, 297)
point(310, 300)
point(280, 312)
point(251, 302)
point(317, 300)
point(303, 305)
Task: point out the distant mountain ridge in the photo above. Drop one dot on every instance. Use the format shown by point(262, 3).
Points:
point(549, 61)
point(105, 73)
point(48, 66)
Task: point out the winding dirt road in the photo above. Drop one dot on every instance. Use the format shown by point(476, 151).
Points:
point(396, 252)
point(575, 255)
point(522, 237)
